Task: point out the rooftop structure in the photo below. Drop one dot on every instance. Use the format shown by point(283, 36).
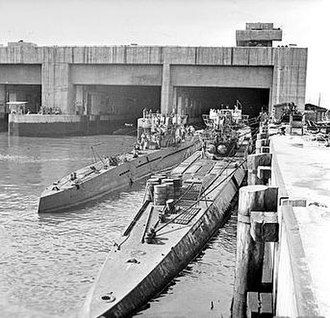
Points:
point(258, 34)
point(21, 43)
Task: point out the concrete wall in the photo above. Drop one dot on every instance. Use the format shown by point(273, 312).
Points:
point(62, 125)
point(116, 74)
point(29, 74)
point(289, 76)
point(36, 118)
point(222, 76)
point(257, 35)
point(63, 65)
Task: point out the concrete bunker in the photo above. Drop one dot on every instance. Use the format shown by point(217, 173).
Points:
point(96, 87)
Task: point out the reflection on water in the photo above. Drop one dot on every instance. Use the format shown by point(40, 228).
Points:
point(48, 262)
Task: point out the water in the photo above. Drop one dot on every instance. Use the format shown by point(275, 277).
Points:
point(205, 287)
point(48, 262)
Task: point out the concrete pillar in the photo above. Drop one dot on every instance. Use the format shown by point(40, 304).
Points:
point(79, 99)
point(175, 100)
point(289, 76)
point(270, 101)
point(2, 99)
point(179, 105)
point(166, 106)
point(56, 89)
point(277, 78)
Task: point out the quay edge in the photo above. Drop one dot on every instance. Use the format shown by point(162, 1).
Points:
point(297, 162)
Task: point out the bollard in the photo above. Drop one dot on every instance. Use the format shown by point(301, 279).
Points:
point(249, 256)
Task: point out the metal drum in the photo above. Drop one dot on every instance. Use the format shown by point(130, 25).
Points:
point(167, 180)
point(160, 194)
point(155, 178)
point(170, 190)
point(159, 176)
point(150, 188)
point(170, 187)
point(177, 182)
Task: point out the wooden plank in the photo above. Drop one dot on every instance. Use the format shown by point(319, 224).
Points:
point(205, 169)
point(271, 199)
point(252, 306)
point(194, 168)
point(267, 270)
point(193, 157)
point(264, 226)
point(249, 255)
point(266, 308)
point(185, 164)
point(264, 173)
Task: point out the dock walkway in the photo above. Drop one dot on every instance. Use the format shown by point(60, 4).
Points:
point(301, 170)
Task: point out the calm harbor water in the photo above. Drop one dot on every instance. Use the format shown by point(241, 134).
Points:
point(48, 262)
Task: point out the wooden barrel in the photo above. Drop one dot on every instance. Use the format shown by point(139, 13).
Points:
point(170, 190)
point(167, 181)
point(177, 182)
point(154, 179)
point(170, 187)
point(159, 176)
point(150, 188)
point(160, 194)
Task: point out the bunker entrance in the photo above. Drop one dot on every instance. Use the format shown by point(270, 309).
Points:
point(31, 94)
point(118, 102)
point(195, 101)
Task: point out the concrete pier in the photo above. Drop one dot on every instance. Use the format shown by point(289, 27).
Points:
point(293, 280)
point(37, 125)
point(301, 170)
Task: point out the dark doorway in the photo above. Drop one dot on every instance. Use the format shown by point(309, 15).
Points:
point(121, 101)
point(25, 93)
point(196, 101)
